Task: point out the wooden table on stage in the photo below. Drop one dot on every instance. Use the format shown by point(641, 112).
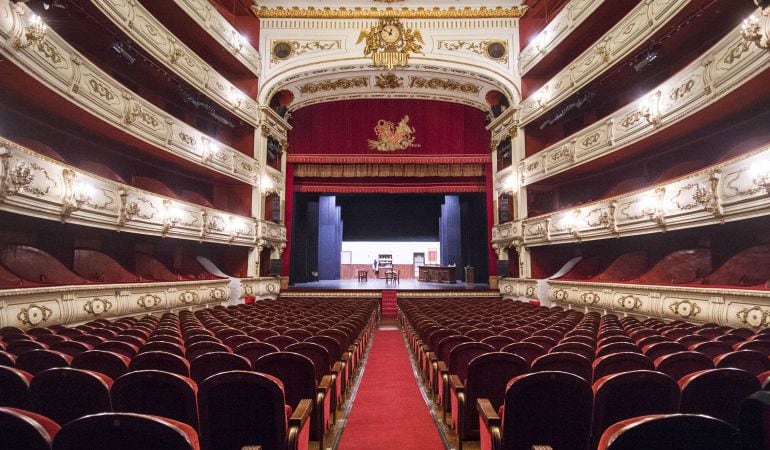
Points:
point(437, 274)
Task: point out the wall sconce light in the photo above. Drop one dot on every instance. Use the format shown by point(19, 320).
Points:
point(173, 217)
point(510, 184)
point(237, 99)
point(650, 206)
point(34, 33)
point(751, 31)
point(267, 183)
point(237, 41)
point(540, 42)
point(760, 175)
point(83, 193)
point(541, 98)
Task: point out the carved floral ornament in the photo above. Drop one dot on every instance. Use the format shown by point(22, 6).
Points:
point(218, 294)
point(97, 306)
point(630, 302)
point(685, 308)
point(392, 137)
point(34, 314)
point(754, 317)
point(149, 301)
point(188, 297)
point(311, 12)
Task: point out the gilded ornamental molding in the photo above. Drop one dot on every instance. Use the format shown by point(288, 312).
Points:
point(725, 67)
point(38, 186)
point(212, 22)
point(61, 68)
point(636, 28)
point(46, 306)
point(169, 50)
point(571, 16)
point(311, 12)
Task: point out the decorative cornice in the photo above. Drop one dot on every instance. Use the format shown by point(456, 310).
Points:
point(169, 50)
point(387, 159)
point(571, 16)
point(58, 66)
point(636, 28)
point(207, 16)
point(264, 12)
point(725, 67)
point(34, 185)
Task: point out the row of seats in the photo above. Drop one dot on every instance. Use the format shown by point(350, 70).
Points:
point(26, 266)
point(469, 349)
point(169, 367)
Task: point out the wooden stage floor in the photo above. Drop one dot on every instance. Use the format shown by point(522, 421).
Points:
point(380, 284)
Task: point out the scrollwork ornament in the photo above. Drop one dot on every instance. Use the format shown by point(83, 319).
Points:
point(188, 297)
point(34, 315)
point(13, 179)
point(629, 302)
point(97, 306)
point(591, 298)
point(148, 301)
point(685, 308)
point(754, 317)
point(560, 295)
point(217, 294)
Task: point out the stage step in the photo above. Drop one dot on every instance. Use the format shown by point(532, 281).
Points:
point(389, 304)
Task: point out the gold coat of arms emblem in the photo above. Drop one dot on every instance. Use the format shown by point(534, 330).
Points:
point(392, 137)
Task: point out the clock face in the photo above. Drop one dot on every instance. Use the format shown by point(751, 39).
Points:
point(390, 34)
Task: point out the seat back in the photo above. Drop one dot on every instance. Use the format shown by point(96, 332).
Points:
point(462, 355)
point(295, 371)
point(717, 392)
point(751, 361)
point(629, 394)
point(125, 431)
point(330, 344)
point(36, 361)
point(676, 365)
point(620, 362)
point(72, 348)
point(167, 362)
point(712, 349)
point(162, 346)
point(111, 364)
point(527, 350)
point(446, 345)
point(535, 403)
point(281, 341)
point(658, 349)
point(564, 362)
point(242, 408)
point(209, 364)
point(315, 353)
point(14, 388)
point(753, 421)
point(671, 432)
point(255, 350)
point(157, 393)
point(65, 394)
point(193, 351)
point(498, 342)
point(24, 430)
point(488, 377)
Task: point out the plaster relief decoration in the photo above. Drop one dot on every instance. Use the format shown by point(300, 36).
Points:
point(285, 49)
point(390, 44)
point(218, 294)
point(97, 306)
point(149, 301)
point(630, 302)
point(333, 85)
point(388, 80)
point(443, 83)
point(188, 297)
point(392, 137)
point(754, 317)
point(34, 315)
point(494, 50)
point(685, 308)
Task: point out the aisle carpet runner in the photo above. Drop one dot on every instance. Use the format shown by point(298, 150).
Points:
point(388, 411)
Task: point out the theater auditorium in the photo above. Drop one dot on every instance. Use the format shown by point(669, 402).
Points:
point(384, 225)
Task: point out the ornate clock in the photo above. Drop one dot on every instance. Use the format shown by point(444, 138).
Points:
point(390, 43)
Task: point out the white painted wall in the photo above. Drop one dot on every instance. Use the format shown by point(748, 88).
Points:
point(365, 252)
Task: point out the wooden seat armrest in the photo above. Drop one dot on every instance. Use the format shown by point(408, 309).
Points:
point(299, 426)
point(431, 356)
point(487, 413)
point(326, 383)
point(455, 384)
point(338, 367)
point(441, 366)
point(541, 447)
point(301, 413)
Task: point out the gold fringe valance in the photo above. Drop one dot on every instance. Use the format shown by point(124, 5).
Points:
point(387, 170)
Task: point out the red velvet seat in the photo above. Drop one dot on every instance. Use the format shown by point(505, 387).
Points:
point(658, 349)
point(36, 361)
point(167, 362)
point(581, 348)
point(65, 394)
point(136, 341)
point(99, 267)
point(162, 346)
point(196, 338)
point(620, 362)
point(132, 431)
point(487, 377)
point(91, 339)
point(544, 341)
point(192, 351)
point(527, 350)
point(247, 408)
point(752, 421)
point(111, 364)
point(14, 388)
point(676, 365)
point(280, 341)
point(209, 364)
point(717, 392)
point(297, 374)
point(515, 334)
point(254, 350)
point(616, 347)
point(49, 339)
point(498, 342)
point(751, 361)
point(263, 333)
point(760, 346)
point(542, 408)
point(712, 349)
point(25, 430)
point(236, 340)
point(23, 345)
point(157, 393)
point(670, 432)
point(564, 362)
point(629, 394)
point(37, 266)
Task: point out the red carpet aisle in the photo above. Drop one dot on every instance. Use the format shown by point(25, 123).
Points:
point(388, 411)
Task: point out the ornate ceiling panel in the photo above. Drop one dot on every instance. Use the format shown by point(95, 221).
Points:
point(357, 9)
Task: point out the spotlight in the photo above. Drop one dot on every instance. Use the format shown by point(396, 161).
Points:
point(120, 50)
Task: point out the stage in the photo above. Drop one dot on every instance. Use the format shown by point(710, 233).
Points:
point(375, 284)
